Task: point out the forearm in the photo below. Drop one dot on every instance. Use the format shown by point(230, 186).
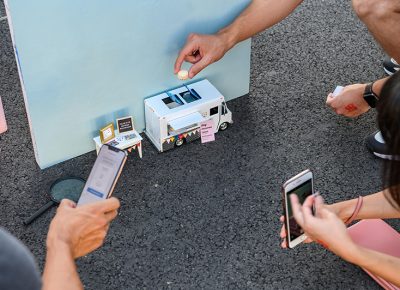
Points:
point(382, 265)
point(374, 206)
point(60, 269)
point(377, 87)
point(258, 16)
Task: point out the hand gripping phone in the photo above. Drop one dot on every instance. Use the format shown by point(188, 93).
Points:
point(301, 185)
point(104, 175)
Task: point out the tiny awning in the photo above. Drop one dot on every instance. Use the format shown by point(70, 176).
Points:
point(186, 121)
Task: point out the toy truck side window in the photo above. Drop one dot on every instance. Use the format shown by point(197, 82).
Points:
point(214, 111)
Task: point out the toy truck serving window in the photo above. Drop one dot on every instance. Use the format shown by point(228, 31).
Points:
point(213, 111)
point(174, 117)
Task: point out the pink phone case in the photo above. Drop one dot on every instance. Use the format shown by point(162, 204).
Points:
point(377, 235)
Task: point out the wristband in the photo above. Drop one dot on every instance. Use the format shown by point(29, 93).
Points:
point(356, 211)
point(369, 96)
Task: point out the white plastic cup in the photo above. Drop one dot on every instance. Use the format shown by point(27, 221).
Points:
point(3, 123)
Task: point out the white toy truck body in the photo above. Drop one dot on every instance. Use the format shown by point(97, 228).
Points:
point(174, 117)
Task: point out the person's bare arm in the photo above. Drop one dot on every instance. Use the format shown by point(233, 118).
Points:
point(74, 232)
point(374, 206)
point(60, 269)
point(382, 265)
point(202, 50)
point(328, 229)
point(258, 16)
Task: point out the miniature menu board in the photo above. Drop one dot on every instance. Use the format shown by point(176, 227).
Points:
point(125, 124)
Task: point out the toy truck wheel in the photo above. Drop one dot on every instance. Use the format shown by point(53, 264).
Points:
point(223, 126)
point(179, 142)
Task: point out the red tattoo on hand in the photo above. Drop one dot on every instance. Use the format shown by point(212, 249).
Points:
point(351, 107)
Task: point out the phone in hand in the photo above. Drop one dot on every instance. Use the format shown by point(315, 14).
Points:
point(301, 185)
point(104, 175)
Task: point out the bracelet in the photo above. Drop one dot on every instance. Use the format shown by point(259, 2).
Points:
point(356, 210)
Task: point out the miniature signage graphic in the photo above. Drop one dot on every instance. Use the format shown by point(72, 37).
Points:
point(125, 124)
point(107, 133)
point(207, 131)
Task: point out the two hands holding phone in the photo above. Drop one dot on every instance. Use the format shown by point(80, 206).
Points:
point(318, 222)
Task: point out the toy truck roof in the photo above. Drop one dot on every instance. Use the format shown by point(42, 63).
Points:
point(184, 98)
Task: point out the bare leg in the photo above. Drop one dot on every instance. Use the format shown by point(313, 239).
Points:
point(382, 18)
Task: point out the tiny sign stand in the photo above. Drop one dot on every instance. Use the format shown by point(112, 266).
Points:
point(125, 137)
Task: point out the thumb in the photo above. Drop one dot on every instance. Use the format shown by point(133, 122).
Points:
point(318, 204)
point(199, 66)
point(67, 203)
point(330, 98)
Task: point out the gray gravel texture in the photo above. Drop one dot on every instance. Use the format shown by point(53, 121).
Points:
point(206, 216)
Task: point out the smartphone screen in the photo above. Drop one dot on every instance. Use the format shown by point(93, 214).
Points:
point(302, 191)
point(103, 176)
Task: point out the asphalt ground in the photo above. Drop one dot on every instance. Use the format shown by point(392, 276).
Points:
point(206, 216)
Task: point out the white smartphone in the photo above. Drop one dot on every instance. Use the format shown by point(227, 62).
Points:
point(104, 175)
point(302, 185)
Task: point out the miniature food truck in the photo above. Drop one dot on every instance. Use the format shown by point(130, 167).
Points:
point(174, 117)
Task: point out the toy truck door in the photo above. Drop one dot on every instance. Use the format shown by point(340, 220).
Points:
point(220, 114)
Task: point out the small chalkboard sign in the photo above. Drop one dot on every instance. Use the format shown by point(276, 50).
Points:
point(125, 124)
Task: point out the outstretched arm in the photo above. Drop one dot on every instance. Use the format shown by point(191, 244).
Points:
point(202, 50)
point(258, 16)
point(60, 270)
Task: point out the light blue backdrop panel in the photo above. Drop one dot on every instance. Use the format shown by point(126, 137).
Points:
point(86, 63)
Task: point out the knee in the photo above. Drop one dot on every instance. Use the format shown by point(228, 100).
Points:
point(374, 9)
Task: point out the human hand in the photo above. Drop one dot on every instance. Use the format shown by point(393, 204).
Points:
point(283, 234)
point(326, 228)
point(201, 50)
point(350, 102)
point(336, 208)
point(81, 230)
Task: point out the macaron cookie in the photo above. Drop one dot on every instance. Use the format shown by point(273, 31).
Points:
point(183, 75)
